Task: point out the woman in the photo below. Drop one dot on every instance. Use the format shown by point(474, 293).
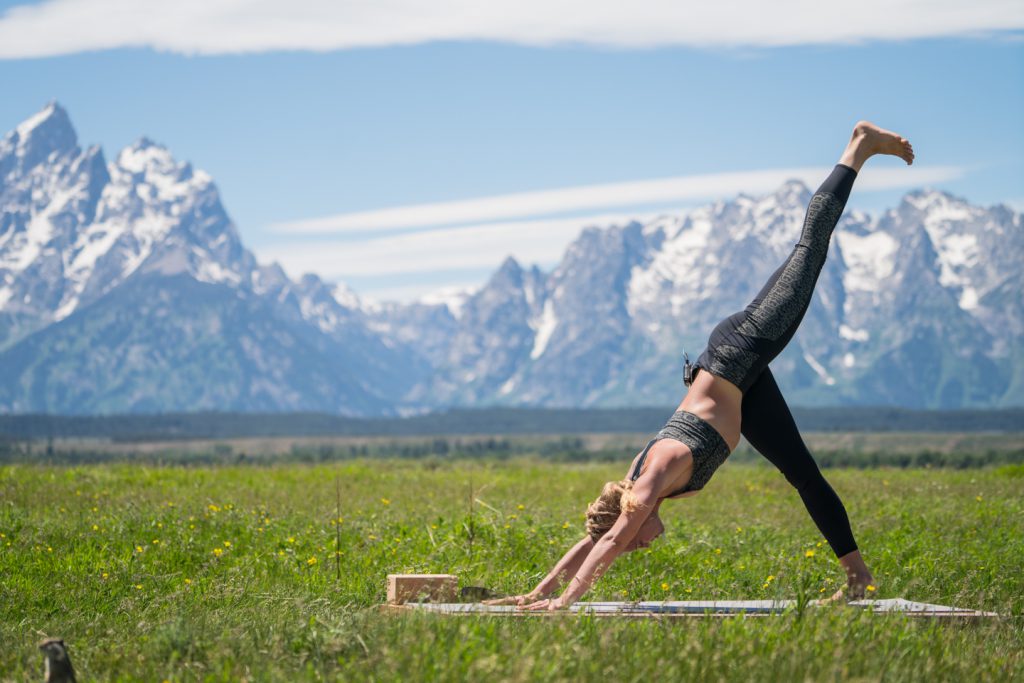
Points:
point(732, 393)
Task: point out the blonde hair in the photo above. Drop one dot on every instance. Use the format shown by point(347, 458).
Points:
point(616, 497)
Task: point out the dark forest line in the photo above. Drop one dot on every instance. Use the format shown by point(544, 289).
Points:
point(213, 425)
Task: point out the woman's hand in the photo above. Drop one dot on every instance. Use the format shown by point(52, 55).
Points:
point(517, 600)
point(548, 604)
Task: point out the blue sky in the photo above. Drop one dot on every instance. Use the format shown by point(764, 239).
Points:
point(298, 140)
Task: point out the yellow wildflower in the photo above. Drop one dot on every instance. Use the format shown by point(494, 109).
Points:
point(871, 589)
point(664, 586)
point(809, 553)
point(311, 561)
point(227, 544)
point(218, 552)
point(385, 501)
point(520, 507)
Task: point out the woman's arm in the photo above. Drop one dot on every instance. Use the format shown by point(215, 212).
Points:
point(609, 547)
point(566, 567)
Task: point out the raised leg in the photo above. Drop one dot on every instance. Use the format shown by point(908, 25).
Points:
point(776, 311)
point(742, 345)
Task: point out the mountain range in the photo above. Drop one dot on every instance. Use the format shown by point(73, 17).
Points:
point(125, 287)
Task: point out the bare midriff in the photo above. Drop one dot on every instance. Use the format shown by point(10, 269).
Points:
point(718, 402)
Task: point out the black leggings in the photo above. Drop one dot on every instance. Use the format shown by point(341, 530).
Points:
point(769, 427)
point(742, 345)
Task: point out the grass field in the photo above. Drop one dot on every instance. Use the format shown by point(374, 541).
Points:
point(227, 573)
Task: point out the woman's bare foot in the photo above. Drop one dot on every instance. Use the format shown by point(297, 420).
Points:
point(868, 140)
point(858, 576)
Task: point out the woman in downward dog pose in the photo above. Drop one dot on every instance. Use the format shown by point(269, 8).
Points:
point(733, 393)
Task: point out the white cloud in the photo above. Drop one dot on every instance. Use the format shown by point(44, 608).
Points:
point(431, 251)
point(594, 198)
point(60, 27)
point(419, 260)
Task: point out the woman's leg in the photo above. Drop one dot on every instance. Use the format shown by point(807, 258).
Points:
point(741, 347)
point(769, 427)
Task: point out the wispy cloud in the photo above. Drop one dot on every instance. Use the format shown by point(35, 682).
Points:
point(596, 198)
point(60, 27)
point(435, 250)
point(424, 255)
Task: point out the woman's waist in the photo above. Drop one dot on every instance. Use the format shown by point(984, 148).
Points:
point(718, 402)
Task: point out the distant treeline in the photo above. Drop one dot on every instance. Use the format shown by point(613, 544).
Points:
point(437, 450)
point(215, 425)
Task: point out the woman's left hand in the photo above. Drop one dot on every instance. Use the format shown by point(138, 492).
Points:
point(549, 604)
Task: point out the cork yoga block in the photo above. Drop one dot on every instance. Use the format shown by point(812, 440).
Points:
point(404, 588)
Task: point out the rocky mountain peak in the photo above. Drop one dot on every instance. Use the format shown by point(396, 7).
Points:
point(793, 191)
point(45, 134)
point(50, 126)
point(149, 160)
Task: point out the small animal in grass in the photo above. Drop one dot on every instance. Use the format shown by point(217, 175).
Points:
point(58, 662)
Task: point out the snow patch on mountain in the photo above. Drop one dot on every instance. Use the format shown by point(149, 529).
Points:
point(453, 298)
point(870, 259)
point(545, 327)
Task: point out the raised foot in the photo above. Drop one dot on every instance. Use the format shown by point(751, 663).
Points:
point(871, 140)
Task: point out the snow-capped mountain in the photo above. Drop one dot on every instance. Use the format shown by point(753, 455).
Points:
point(124, 286)
point(919, 307)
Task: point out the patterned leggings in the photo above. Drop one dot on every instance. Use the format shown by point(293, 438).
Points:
point(742, 345)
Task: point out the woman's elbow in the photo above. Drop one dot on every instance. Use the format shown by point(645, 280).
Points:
point(616, 542)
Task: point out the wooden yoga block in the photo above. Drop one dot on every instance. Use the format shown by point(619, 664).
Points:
point(404, 588)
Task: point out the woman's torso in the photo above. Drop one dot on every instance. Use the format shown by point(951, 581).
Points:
point(718, 402)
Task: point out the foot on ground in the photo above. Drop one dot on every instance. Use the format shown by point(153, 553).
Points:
point(854, 590)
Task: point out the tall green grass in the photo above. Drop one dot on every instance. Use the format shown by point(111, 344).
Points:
point(228, 573)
